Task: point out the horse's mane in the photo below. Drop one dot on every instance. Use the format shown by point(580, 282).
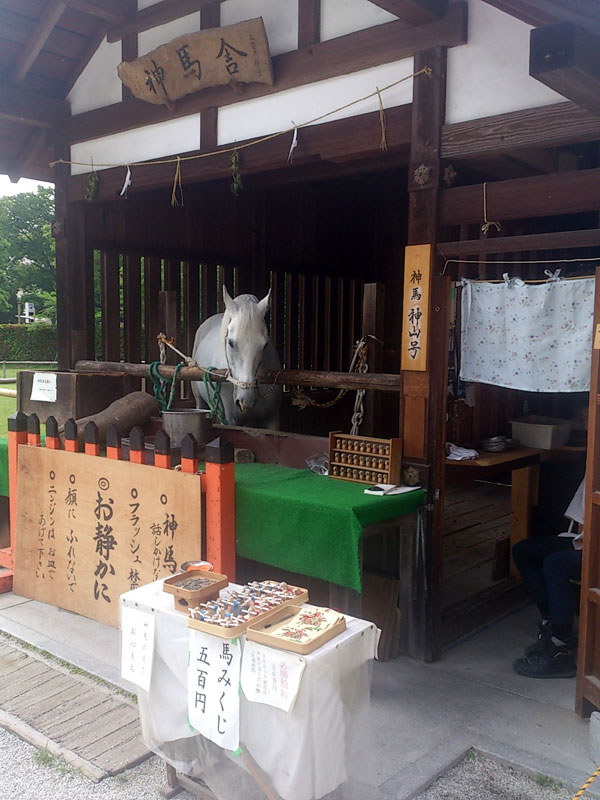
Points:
point(246, 316)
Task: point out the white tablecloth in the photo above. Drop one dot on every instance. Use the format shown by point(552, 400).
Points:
point(323, 743)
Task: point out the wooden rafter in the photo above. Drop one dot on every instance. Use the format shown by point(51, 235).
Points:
point(85, 57)
point(309, 22)
point(414, 11)
point(157, 14)
point(38, 38)
point(565, 58)
point(30, 108)
point(378, 45)
point(109, 10)
point(29, 151)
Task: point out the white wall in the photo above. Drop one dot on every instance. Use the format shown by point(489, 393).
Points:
point(490, 74)
point(339, 17)
point(98, 85)
point(280, 18)
point(149, 40)
point(276, 112)
point(152, 141)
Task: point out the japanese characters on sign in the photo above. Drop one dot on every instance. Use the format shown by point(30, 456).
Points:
point(271, 676)
point(137, 646)
point(213, 688)
point(89, 528)
point(415, 310)
point(236, 53)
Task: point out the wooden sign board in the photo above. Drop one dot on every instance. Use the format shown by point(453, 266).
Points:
point(90, 528)
point(234, 54)
point(415, 310)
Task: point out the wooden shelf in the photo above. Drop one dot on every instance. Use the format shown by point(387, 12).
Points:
point(381, 458)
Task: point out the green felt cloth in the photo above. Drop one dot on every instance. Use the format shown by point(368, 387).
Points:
point(307, 523)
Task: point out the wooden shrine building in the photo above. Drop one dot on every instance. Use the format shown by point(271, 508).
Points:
point(388, 124)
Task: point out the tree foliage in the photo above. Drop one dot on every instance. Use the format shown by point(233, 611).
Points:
point(27, 257)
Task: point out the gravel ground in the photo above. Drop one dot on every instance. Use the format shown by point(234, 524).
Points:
point(29, 774)
point(481, 778)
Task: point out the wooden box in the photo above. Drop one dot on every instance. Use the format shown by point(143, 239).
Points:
point(268, 630)
point(301, 596)
point(364, 459)
point(184, 598)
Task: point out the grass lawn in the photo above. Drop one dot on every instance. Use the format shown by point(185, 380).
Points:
point(8, 405)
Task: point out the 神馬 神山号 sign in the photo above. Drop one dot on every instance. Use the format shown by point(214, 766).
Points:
point(215, 57)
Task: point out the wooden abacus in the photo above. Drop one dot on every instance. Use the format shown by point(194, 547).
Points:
point(364, 459)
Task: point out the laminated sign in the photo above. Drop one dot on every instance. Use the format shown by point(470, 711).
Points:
point(234, 54)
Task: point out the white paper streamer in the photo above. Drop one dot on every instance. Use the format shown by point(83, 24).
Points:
point(294, 144)
point(127, 183)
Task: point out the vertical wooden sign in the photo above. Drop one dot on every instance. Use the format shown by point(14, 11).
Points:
point(90, 528)
point(415, 309)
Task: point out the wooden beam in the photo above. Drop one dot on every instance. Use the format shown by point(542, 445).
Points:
point(378, 45)
point(416, 12)
point(566, 58)
point(37, 39)
point(358, 137)
point(19, 105)
point(523, 10)
point(548, 126)
point(309, 22)
point(563, 240)
point(209, 117)
point(541, 196)
point(129, 49)
point(579, 12)
point(157, 14)
point(29, 151)
point(109, 10)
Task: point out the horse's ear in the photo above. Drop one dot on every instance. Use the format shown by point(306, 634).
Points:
point(263, 305)
point(229, 301)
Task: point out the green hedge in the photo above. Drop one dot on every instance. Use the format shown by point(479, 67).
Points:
point(36, 342)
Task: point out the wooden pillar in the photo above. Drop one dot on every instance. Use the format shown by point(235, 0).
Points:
point(424, 392)
point(74, 272)
point(373, 325)
point(17, 435)
point(220, 507)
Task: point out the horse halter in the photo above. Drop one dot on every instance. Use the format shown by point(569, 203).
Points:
point(229, 375)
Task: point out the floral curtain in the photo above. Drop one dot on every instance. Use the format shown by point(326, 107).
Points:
point(535, 337)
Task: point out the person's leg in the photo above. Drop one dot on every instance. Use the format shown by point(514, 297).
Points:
point(529, 556)
point(559, 569)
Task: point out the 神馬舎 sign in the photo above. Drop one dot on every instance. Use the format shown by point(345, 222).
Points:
point(238, 53)
point(90, 528)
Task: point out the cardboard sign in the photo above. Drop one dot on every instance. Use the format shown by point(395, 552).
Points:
point(415, 310)
point(44, 387)
point(90, 528)
point(271, 676)
point(137, 646)
point(214, 688)
point(215, 57)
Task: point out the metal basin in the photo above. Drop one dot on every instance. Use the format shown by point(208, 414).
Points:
point(197, 421)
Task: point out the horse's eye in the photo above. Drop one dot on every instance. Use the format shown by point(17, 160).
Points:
point(231, 343)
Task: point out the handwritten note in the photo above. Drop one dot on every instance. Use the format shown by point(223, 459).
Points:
point(44, 387)
point(213, 688)
point(137, 646)
point(271, 676)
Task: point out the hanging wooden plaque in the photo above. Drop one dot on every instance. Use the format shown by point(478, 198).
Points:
point(234, 54)
point(415, 310)
point(90, 528)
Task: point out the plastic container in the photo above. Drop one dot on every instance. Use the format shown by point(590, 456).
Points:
point(544, 433)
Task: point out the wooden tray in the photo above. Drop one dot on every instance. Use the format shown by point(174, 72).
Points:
point(232, 633)
point(264, 631)
point(189, 598)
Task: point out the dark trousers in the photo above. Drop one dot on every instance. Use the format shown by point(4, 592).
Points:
point(547, 565)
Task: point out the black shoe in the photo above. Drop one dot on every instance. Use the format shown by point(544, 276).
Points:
point(554, 661)
point(544, 635)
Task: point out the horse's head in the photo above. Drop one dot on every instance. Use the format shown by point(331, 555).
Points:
point(245, 338)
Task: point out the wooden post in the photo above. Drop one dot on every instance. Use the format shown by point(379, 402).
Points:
point(52, 437)
point(220, 507)
point(71, 436)
point(113, 443)
point(168, 320)
point(373, 307)
point(33, 430)
point(162, 450)
point(189, 454)
point(424, 392)
point(137, 446)
point(17, 434)
point(92, 439)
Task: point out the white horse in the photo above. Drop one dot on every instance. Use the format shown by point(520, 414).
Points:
point(238, 341)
